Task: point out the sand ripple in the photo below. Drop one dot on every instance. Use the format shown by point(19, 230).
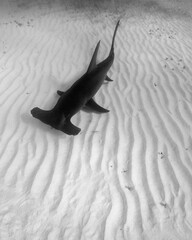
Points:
point(128, 174)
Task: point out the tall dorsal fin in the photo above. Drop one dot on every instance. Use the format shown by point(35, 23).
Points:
point(92, 64)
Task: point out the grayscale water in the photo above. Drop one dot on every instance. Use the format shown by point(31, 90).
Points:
point(127, 175)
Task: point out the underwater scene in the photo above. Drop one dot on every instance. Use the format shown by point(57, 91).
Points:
point(96, 116)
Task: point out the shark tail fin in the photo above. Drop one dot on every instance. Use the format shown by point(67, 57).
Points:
point(113, 40)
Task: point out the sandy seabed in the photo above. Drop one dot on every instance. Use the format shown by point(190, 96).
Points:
point(128, 174)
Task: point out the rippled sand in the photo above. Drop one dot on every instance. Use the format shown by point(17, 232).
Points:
point(128, 174)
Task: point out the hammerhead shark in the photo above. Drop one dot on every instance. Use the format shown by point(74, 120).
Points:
point(79, 95)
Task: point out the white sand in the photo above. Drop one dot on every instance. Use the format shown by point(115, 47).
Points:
point(128, 174)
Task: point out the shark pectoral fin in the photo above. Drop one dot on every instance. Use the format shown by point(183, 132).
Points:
point(108, 79)
point(60, 92)
point(68, 128)
point(93, 106)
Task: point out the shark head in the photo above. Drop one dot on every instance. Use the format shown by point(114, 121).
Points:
point(35, 112)
point(44, 116)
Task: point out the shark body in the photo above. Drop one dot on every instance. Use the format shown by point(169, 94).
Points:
point(79, 95)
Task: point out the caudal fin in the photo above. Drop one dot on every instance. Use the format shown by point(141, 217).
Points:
point(113, 40)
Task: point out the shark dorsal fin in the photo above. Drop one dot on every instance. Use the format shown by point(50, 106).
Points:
point(92, 64)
